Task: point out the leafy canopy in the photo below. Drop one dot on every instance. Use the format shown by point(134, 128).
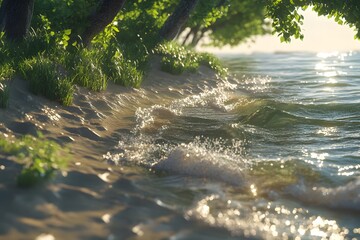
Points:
point(287, 17)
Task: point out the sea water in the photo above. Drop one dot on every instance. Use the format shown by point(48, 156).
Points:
point(271, 152)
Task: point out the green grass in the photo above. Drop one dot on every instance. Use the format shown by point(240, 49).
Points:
point(177, 59)
point(40, 158)
point(87, 71)
point(6, 73)
point(214, 63)
point(46, 78)
point(122, 72)
point(4, 95)
point(52, 68)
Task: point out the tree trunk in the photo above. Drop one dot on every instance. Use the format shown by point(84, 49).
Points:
point(186, 37)
point(177, 19)
point(198, 37)
point(15, 18)
point(101, 18)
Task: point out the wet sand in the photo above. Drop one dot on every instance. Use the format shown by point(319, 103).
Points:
point(81, 203)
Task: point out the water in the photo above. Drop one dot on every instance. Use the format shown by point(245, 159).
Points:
point(272, 152)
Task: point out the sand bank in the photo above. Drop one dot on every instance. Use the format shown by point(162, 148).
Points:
point(78, 204)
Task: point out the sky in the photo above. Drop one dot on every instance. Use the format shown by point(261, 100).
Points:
point(321, 35)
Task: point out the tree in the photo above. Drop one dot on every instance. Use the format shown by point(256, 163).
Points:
point(287, 18)
point(205, 14)
point(227, 22)
point(15, 18)
point(177, 19)
point(101, 18)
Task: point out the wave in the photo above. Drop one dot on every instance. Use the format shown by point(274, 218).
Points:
point(342, 197)
point(211, 159)
point(269, 117)
point(207, 159)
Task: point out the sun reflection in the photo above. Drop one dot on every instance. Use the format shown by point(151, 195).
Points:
point(265, 220)
point(253, 190)
point(340, 56)
point(319, 156)
point(322, 66)
point(332, 80)
point(328, 89)
point(329, 74)
point(327, 54)
point(348, 170)
point(45, 236)
point(106, 218)
point(327, 131)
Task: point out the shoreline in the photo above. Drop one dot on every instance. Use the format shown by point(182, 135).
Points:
point(91, 125)
point(89, 128)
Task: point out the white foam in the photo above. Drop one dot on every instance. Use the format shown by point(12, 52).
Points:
point(213, 159)
point(206, 160)
point(342, 197)
point(212, 97)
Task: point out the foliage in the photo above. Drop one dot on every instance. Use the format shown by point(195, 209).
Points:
point(40, 158)
point(46, 78)
point(208, 12)
point(287, 18)
point(52, 58)
point(244, 19)
point(6, 73)
point(65, 14)
point(177, 59)
point(4, 95)
point(87, 70)
point(121, 71)
point(214, 63)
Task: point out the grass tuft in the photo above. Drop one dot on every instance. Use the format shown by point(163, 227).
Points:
point(211, 61)
point(40, 158)
point(4, 95)
point(45, 78)
point(177, 59)
point(123, 72)
point(6, 73)
point(87, 71)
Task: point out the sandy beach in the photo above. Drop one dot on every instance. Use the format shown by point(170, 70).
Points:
point(76, 203)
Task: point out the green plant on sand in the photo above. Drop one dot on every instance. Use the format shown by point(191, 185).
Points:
point(87, 71)
point(46, 78)
point(40, 158)
point(6, 73)
point(122, 72)
point(177, 59)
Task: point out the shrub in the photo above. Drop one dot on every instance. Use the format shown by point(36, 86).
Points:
point(214, 63)
point(177, 59)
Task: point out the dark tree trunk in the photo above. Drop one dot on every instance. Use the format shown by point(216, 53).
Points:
point(221, 3)
point(186, 38)
point(192, 33)
point(15, 18)
point(177, 19)
point(101, 18)
point(197, 37)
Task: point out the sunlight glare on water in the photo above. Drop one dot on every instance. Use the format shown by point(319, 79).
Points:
point(270, 153)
